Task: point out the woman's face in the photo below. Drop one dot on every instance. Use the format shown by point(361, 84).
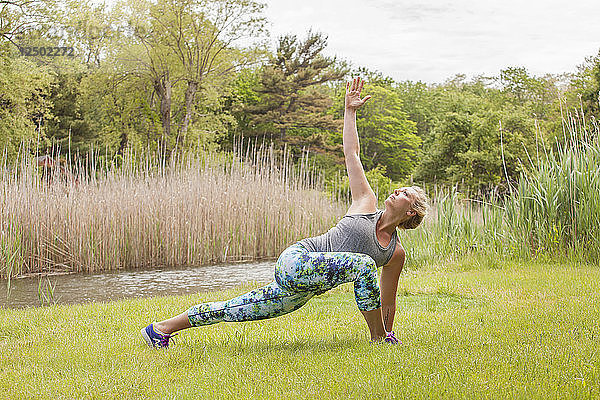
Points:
point(401, 200)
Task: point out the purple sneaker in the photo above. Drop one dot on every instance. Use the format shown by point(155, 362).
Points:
point(155, 339)
point(391, 338)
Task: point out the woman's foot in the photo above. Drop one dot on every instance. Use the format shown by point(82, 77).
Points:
point(155, 338)
point(391, 338)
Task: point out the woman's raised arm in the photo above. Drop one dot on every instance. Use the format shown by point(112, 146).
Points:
point(363, 198)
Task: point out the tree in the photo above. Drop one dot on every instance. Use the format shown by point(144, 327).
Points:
point(67, 127)
point(89, 27)
point(465, 146)
point(182, 42)
point(586, 84)
point(536, 93)
point(387, 137)
point(291, 92)
point(417, 103)
point(24, 92)
point(20, 16)
point(119, 110)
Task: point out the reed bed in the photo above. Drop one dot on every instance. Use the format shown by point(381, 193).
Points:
point(552, 212)
point(251, 204)
point(190, 211)
point(556, 206)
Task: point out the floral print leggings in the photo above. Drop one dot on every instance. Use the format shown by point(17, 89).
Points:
point(299, 275)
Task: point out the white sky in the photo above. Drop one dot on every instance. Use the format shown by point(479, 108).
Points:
point(431, 40)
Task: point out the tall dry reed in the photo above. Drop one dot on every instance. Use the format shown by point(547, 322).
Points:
point(190, 211)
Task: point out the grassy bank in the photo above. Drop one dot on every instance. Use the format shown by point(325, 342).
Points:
point(519, 331)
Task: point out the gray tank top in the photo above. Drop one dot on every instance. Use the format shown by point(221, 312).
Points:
point(356, 234)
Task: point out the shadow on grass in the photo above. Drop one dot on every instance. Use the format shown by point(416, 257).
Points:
point(236, 344)
point(229, 350)
point(243, 341)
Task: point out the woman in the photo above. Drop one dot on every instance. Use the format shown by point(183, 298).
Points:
point(349, 252)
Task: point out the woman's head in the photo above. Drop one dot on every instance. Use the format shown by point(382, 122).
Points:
point(411, 202)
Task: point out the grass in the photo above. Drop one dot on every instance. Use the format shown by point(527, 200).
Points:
point(516, 331)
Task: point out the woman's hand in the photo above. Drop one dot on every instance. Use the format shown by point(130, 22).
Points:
point(353, 100)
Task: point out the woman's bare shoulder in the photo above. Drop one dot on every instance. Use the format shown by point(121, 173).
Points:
point(366, 205)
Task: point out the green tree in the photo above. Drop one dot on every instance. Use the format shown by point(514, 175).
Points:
point(18, 17)
point(465, 146)
point(417, 103)
point(24, 105)
point(387, 137)
point(585, 84)
point(177, 44)
point(119, 109)
point(67, 127)
point(90, 28)
point(292, 95)
point(44, 24)
point(536, 93)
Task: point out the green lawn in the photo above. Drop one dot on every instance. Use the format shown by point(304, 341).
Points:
point(522, 331)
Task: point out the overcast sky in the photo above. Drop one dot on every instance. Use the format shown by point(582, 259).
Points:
point(431, 40)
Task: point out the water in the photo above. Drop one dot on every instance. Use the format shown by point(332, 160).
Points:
point(107, 286)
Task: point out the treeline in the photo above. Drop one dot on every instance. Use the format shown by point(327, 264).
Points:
point(169, 76)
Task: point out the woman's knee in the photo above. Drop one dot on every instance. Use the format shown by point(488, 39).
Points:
point(366, 269)
point(366, 287)
point(287, 266)
point(368, 297)
point(367, 263)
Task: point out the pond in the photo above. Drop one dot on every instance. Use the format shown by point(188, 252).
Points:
point(107, 286)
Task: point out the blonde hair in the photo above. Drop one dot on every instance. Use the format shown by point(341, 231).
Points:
point(420, 206)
